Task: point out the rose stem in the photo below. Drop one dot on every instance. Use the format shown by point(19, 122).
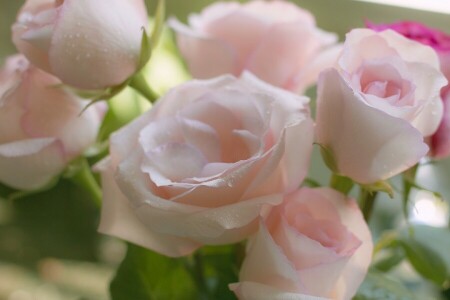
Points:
point(85, 179)
point(408, 178)
point(139, 83)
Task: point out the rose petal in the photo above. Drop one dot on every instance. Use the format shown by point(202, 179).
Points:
point(431, 82)
point(228, 29)
point(118, 219)
point(265, 263)
point(30, 164)
point(410, 50)
point(52, 111)
point(356, 268)
point(173, 162)
point(309, 74)
point(257, 291)
point(294, 43)
point(202, 51)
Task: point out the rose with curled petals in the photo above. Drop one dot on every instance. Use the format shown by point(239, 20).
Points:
point(88, 44)
point(440, 141)
point(202, 164)
point(41, 126)
point(375, 109)
point(276, 40)
point(316, 245)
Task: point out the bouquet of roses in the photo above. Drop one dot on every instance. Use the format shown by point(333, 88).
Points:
point(212, 186)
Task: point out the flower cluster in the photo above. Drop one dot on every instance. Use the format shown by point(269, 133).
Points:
point(221, 159)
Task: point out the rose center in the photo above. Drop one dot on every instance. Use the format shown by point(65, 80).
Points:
point(385, 82)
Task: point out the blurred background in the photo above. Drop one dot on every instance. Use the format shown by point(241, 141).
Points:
point(49, 248)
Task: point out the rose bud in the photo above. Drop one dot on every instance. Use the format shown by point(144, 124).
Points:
point(41, 126)
point(88, 44)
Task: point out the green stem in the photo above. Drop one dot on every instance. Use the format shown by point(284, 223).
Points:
point(409, 177)
point(367, 201)
point(341, 183)
point(85, 179)
point(139, 83)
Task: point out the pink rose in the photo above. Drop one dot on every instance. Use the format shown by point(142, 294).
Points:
point(41, 129)
point(276, 40)
point(89, 44)
point(375, 109)
point(316, 245)
point(199, 167)
point(440, 42)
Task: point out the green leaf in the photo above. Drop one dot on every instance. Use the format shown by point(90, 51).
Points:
point(341, 183)
point(159, 21)
point(147, 275)
point(149, 43)
point(59, 223)
point(328, 158)
point(427, 249)
point(391, 260)
point(146, 50)
point(310, 182)
point(378, 286)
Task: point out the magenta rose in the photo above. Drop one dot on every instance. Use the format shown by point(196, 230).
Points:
point(440, 42)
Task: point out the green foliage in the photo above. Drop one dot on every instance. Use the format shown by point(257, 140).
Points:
point(378, 286)
point(146, 275)
point(390, 261)
point(159, 22)
point(221, 269)
point(123, 108)
point(341, 183)
point(328, 158)
point(427, 248)
point(59, 223)
point(149, 43)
